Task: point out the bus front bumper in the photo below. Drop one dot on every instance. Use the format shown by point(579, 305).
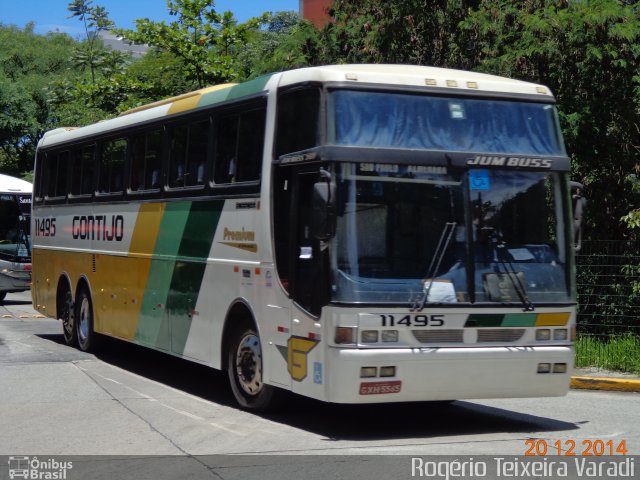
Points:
point(423, 374)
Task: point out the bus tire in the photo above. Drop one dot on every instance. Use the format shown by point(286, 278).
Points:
point(84, 321)
point(64, 306)
point(245, 371)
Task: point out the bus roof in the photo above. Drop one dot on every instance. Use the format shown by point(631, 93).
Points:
point(14, 185)
point(391, 75)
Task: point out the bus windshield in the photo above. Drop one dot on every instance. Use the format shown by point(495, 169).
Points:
point(401, 120)
point(406, 232)
point(15, 238)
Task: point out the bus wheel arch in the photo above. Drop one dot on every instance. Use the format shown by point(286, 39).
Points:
point(84, 317)
point(65, 310)
point(243, 360)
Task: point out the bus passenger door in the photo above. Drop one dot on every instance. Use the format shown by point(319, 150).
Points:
point(299, 263)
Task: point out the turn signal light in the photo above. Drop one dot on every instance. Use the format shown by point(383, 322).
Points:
point(344, 335)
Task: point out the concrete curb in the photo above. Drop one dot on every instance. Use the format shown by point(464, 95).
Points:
point(611, 384)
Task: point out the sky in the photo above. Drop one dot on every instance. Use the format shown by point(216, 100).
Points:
point(51, 15)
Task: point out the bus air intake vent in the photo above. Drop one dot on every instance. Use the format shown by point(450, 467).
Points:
point(489, 335)
point(438, 336)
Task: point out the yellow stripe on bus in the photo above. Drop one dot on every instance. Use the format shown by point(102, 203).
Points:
point(552, 319)
point(122, 280)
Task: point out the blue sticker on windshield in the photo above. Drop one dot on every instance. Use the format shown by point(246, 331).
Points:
point(479, 180)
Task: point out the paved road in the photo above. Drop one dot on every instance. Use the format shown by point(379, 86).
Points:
point(55, 400)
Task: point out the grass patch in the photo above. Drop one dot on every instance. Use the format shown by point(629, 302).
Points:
point(617, 352)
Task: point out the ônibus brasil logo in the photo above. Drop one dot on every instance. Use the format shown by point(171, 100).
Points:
point(35, 469)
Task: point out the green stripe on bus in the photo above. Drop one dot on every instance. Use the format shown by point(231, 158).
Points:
point(519, 320)
point(186, 282)
point(153, 326)
point(484, 320)
point(500, 320)
point(237, 91)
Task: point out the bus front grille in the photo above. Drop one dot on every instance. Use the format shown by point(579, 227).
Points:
point(490, 335)
point(438, 336)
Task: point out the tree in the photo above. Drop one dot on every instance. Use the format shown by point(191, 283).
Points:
point(206, 42)
point(28, 62)
point(90, 54)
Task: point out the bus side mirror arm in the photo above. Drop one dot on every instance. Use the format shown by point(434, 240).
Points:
point(324, 207)
point(579, 204)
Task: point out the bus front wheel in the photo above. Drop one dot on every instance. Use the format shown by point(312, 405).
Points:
point(245, 371)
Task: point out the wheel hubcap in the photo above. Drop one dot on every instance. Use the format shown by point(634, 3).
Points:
point(83, 321)
point(249, 364)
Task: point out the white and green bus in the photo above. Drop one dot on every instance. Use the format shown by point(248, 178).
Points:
point(15, 239)
point(352, 233)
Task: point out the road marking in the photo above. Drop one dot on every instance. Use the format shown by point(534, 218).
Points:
point(182, 412)
point(235, 432)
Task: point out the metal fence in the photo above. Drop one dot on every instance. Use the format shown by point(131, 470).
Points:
point(608, 278)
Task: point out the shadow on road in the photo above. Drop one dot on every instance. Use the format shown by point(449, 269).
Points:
point(335, 422)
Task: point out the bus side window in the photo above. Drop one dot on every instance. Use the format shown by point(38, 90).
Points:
point(297, 121)
point(146, 161)
point(239, 146)
point(111, 176)
point(56, 168)
point(250, 145)
point(82, 172)
point(226, 146)
point(188, 155)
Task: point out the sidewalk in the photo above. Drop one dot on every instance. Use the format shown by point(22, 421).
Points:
point(595, 379)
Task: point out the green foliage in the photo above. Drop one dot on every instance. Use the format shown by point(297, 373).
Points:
point(90, 53)
point(28, 62)
point(205, 42)
point(411, 32)
point(619, 352)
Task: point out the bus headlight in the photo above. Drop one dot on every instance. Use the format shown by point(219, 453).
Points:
point(368, 372)
point(390, 336)
point(560, 334)
point(369, 336)
point(543, 334)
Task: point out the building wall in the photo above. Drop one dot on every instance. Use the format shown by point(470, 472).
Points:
point(315, 11)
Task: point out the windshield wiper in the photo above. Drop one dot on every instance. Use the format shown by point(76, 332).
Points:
point(501, 254)
point(434, 266)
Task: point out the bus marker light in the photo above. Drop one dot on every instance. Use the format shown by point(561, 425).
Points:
point(236, 269)
point(369, 336)
point(258, 270)
point(472, 85)
point(431, 82)
point(559, 368)
point(387, 371)
point(368, 372)
point(452, 83)
point(543, 334)
point(390, 335)
point(312, 336)
point(544, 367)
point(560, 334)
point(344, 335)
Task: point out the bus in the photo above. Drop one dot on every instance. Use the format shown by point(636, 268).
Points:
point(15, 237)
point(351, 233)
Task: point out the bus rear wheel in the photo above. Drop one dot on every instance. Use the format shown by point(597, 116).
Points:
point(245, 371)
point(65, 315)
point(84, 321)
